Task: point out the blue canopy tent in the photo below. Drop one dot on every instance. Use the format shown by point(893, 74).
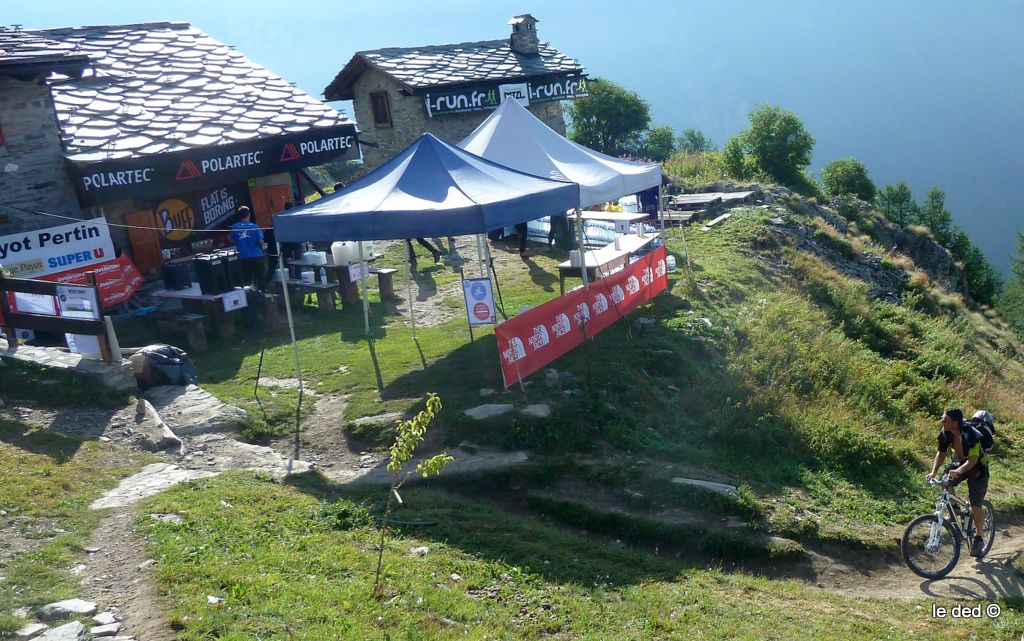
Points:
point(430, 188)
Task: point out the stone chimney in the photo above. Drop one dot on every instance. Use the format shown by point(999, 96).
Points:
point(524, 35)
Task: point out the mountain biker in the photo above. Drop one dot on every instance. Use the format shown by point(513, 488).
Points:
point(969, 462)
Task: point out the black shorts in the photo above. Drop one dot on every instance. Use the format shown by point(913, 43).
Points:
point(977, 483)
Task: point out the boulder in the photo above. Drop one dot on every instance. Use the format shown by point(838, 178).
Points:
point(67, 608)
point(190, 410)
point(31, 630)
point(73, 631)
point(156, 436)
point(490, 410)
point(718, 488)
point(108, 630)
point(538, 410)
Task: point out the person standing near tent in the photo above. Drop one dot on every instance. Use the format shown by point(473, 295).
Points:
point(249, 240)
point(521, 229)
point(559, 232)
point(422, 241)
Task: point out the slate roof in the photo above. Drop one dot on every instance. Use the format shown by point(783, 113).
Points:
point(420, 68)
point(23, 52)
point(163, 87)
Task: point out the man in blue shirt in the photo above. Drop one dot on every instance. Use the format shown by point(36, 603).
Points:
point(249, 240)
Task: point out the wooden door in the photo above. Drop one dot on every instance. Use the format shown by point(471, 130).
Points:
point(145, 242)
point(267, 201)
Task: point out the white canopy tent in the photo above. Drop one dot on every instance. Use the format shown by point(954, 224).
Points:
point(513, 137)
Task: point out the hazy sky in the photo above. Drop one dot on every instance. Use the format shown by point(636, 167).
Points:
point(927, 92)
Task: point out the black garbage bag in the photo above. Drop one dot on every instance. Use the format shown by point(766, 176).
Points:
point(160, 364)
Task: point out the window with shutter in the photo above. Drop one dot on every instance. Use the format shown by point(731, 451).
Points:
point(381, 109)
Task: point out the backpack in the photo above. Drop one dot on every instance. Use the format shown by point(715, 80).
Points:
point(986, 426)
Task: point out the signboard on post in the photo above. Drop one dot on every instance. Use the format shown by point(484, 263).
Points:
point(479, 301)
point(78, 302)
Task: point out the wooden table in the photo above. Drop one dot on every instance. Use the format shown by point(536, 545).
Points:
point(613, 216)
point(599, 262)
point(324, 292)
point(336, 274)
point(212, 305)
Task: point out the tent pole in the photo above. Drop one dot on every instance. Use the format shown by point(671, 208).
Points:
point(686, 251)
point(412, 314)
point(661, 210)
point(291, 329)
point(582, 247)
point(362, 283)
point(479, 254)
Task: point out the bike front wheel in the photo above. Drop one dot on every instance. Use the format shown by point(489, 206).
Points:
point(929, 550)
point(989, 523)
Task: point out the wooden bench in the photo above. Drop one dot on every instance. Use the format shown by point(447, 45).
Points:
point(192, 325)
point(599, 262)
point(324, 292)
point(385, 281)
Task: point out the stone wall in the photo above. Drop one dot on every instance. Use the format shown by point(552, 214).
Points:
point(33, 173)
point(410, 121)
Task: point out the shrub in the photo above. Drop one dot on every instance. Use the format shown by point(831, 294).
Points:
point(847, 177)
point(779, 142)
point(696, 169)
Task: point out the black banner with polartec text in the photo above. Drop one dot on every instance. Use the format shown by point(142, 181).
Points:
point(207, 167)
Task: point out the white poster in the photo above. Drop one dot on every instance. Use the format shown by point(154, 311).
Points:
point(355, 271)
point(41, 252)
point(479, 301)
point(34, 304)
point(77, 302)
point(520, 92)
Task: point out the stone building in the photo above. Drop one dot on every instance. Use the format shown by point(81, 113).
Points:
point(448, 90)
point(33, 172)
point(160, 127)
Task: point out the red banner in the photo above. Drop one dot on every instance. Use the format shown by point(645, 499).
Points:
point(541, 335)
point(117, 280)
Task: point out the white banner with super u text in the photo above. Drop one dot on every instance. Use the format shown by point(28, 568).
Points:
point(41, 252)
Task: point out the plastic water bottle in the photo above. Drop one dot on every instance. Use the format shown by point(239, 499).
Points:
point(323, 275)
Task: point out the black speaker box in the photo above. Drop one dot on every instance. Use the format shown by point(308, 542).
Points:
point(210, 274)
point(232, 269)
point(177, 275)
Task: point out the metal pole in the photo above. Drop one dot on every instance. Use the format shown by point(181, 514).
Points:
point(412, 314)
point(362, 283)
point(661, 210)
point(288, 311)
point(291, 327)
point(582, 247)
point(479, 254)
point(686, 251)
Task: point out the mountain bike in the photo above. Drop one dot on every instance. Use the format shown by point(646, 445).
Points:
point(931, 543)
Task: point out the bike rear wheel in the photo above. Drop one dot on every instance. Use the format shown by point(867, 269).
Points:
point(989, 533)
point(930, 551)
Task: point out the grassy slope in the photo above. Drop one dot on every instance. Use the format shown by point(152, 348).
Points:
point(296, 561)
point(768, 369)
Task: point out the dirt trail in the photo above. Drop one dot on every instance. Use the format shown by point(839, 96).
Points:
point(886, 576)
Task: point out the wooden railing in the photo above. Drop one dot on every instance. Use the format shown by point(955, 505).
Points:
point(12, 318)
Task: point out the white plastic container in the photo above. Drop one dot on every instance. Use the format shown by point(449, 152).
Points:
point(575, 258)
point(307, 277)
point(315, 257)
point(344, 252)
point(618, 242)
point(670, 262)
